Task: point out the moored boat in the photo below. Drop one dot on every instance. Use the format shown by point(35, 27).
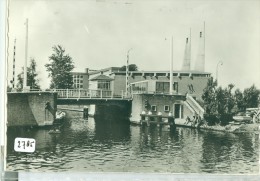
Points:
point(60, 115)
point(242, 118)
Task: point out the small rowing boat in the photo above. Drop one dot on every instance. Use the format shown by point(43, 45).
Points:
point(54, 131)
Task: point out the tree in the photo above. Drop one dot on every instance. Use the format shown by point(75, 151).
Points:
point(239, 101)
point(131, 67)
point(229, 99)
point(251, 97)
point(32, 79)
point(60, 68)
point(209, 97)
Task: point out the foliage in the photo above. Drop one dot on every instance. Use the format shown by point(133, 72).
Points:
point(251, 97)
point(208, 97)
point(60, 68)
point(229, 99)
point(9, 89)
point(221, 104)
point(131, 67)
point(239, 101)
point(32, 79)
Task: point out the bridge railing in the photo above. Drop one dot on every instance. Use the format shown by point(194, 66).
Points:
point(88, 93)
point(85, 93)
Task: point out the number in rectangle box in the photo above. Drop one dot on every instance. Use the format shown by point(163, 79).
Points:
point(24, 145)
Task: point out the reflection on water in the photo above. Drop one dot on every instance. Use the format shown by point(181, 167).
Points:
point(107, 146)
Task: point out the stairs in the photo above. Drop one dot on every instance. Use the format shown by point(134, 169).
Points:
point(194, 106)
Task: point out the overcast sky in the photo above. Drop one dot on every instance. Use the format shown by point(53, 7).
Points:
point(98, 33)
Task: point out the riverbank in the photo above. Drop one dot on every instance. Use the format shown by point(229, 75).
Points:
point(242, 128)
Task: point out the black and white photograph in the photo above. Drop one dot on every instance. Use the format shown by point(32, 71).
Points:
point(133, 86)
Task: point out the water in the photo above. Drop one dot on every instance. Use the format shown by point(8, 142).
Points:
point(87, 146)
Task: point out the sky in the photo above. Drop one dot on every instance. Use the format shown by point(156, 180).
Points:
point(98, 33)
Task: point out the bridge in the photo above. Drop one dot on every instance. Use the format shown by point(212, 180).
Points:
point(88, 95)
point(105, 101)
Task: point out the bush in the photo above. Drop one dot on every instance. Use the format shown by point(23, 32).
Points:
point(211, 119)
point(225, 119)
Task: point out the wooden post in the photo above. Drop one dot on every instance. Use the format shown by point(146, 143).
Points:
point(85, 113)
point(67, 93)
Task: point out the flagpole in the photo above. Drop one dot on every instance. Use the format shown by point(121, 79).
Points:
point(171, 71)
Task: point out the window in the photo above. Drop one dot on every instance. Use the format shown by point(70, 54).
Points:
point(175, 86)
point(153, 107)
point(162, 87)
point(104, 85)
point(166, 108)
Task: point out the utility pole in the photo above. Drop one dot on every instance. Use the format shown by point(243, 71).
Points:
point(26, 56)
point(171, 71)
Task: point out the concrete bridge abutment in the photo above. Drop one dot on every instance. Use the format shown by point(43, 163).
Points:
point(29, 108)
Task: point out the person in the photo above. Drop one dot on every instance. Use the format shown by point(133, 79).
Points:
point(195, 119)
point(187, 120)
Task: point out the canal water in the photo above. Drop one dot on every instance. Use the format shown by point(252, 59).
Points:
point(84, 145)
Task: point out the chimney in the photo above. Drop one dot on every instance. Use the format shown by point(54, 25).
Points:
point(200, 60)
point(187, 56)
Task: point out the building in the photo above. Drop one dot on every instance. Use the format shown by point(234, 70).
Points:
point(80, 80)
point(114, 80)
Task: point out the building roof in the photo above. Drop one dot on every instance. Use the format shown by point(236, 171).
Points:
point(101, 77)
point(111, 69)
point(174, 71)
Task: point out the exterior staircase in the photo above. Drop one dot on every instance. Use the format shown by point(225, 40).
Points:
point(194, 106)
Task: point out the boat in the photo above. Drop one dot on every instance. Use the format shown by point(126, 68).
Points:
point(55, 131)
point(60, 115)
point(242, 117)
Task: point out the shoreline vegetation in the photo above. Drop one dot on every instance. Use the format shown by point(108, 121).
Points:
point(222, 104)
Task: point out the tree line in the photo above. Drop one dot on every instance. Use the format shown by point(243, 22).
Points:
point(59, 70)
point(220, 104)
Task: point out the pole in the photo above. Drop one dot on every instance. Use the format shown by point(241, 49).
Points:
point(204, 45)
point(126, 72)
point(14, 65)
point(221, 63)
point(26, 54)
point(171, 78)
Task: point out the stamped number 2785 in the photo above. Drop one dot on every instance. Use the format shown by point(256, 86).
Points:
point(24, 145)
